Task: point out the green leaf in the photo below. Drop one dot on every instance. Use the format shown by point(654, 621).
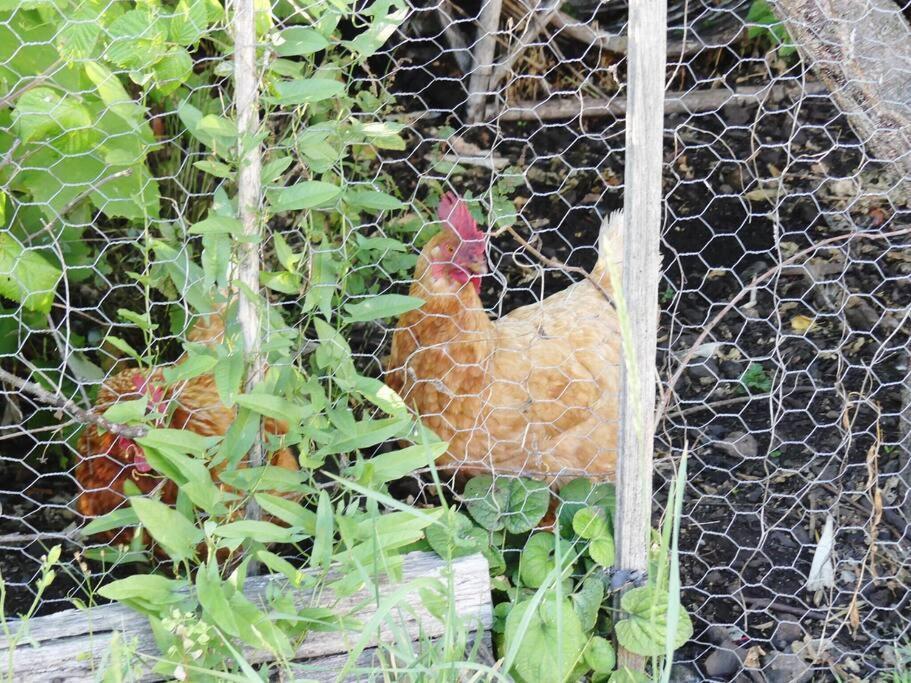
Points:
point(215, 168)
point(181, 440)
point(217, 225)
point(387, 16)
point(304, 195)
point(188, 24)
point(273, 170)
point(627, 675)
point(578, 494)
point(587, 602)
point(41, 112)
point(602, 551)
point(173, 70)
point(25, 276)
point(397, 464)
point(288, 511)
point(152, 588)
point(321, 555)
point(124, 412)
point(210, 590)
point(551, 642)
point(176, 535)
point(645, 628)
point(194, 365)
point(257, 530)
point(366, 433)
point(455, 536)
point(116, 519)
point(228, 375)
point(537, 559)
point(515, 504)
point(299, 40)
point(382, 306)
point(218, 126)
point(589, 523)
point(372, 200)
point(79, 34)
point(306, 91)
point(600, 655)
point(275, 407)
point(138, 40)
point(113, 94)
point(282, 281)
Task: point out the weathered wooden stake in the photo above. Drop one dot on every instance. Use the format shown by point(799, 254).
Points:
point(484, 49)
point(639, 286)
point(249, 204)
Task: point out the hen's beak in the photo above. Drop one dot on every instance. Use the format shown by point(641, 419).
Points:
point(478, 268)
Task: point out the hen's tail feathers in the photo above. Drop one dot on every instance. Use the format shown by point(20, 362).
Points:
point(610, 249)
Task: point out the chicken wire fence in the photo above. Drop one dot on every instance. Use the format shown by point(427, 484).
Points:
point(794, 403)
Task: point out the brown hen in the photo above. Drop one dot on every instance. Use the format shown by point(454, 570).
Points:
point(534, 392)
point(107, 461)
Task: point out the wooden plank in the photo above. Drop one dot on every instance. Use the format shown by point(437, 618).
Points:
point(73, 645)
point(642, 204)
point(484, 50)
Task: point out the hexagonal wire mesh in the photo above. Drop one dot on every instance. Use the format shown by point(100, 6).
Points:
point(793, 402)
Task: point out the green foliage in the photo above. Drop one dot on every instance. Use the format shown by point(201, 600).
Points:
point(766, 25)
point(755, 378)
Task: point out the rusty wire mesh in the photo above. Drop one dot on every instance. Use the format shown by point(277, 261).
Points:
point(795, 407)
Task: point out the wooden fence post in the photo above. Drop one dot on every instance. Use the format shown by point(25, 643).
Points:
point(639, 286)
point(249, 206)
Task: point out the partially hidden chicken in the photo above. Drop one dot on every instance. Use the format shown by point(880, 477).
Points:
point(534, 392)
point(107, 461)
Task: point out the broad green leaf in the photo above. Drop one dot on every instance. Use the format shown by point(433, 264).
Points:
point(455, 536)
point(229, 373)
point(273, 170)
point(382, 306)
point(286, 257)
point(600, 656)
point(537, 559)
point(387, 17)
point(188, 23)
point(372, 200)
point(25, 276)
point(515, 504)
point(300, 40)
point(288, 511)
point(152, 588)
point(79, 34)
point(177, 535)
point(218, 126)
point(116, 519)
point(215, 168)
point(282, 281)
point(366, 433)
point(645, 627)
point(590, 523)
point(196, 364)
point(124, 412)
point(275, 407)
point(138, 39)
point(321, 555)
point(552, 641)
point(627, 675)
point(210, 590)
point(173, 70)
point(217, 225)
point(602, 550)
point(580, 493)
point(41, 112)
point(282, 566)
point(113, 94)
point(397, 464)
point(587, 601)
point(192, 475)
point(257, 530)
point(181, 440)
point(307, 194)
point(306, 91)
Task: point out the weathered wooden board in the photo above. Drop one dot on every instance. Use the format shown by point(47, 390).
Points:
point(73, 646)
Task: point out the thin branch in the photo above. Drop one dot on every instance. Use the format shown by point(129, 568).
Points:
point(36, 81)
point(756, 281)
point(87, 417)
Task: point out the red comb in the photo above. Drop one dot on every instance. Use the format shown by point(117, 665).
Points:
point(454, 212)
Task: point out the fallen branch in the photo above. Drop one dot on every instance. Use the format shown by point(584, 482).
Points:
point(65, 405)
point(674, 103)
point(756, 281)
point(534, 26)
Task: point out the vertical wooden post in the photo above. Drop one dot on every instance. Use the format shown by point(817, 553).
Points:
point(485, 48)
point(249, 204)
point(639, 287)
